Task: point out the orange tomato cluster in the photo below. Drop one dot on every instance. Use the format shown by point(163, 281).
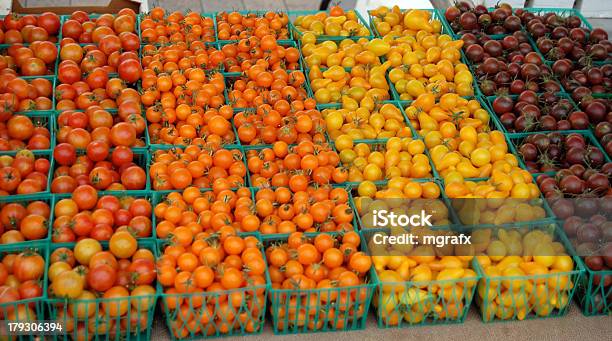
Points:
point(159, 27)
point(241, 56)
point(21, 221)
point(123, 275)
point(214, 285)
point(24, 173)
point(280, 121)
point(20, 132)
point(235, 26)
point(203, 167)
point(178, 85)
point(295, 167)
point(181, 216)
point(326, 265)
point(85, 215)
point(261, 87)
point(317, 209)
point(38, 59)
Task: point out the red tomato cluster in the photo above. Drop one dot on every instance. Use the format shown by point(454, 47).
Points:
point(21, 221)
point(23, 173)
point(38, 59)
point(115, 287)
point(24, 95)
point(85, 215)
point(16, 28)
point(20, 132)
point(110, 170)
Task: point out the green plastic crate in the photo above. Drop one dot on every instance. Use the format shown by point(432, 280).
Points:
point(296, 311)
point(36, 305)
point(592, 295)
point(410, 303)
point(297, 34)
point(135, 324)
point(249, 317)
point(530, 303)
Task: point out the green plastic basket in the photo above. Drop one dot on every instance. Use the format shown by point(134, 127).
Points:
point(95, 316)
point(297, 34)
point(533, 295)
point(296, 311)
point(420, 303)
point(215, 321)
point(592, 295)
point(17, 309)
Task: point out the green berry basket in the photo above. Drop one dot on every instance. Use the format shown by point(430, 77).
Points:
point(296, 311)
point(209, 313)
point(129, 317)
point(537, 294)
point(593, 295)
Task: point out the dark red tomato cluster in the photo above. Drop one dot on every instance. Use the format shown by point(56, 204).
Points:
point(24, 95)
point(528, 73)
point(544, 112)
point(23, 173)
point(584, 81)
point(96, 130)
point(512, 48)
point(84, 215)
point(555, 151)
point(576, 181)
point(603, 132)
point(465, 18)
point(21, 221)
point(38, 59)
point(112, 170)
point(21, 277)
point(16, 28)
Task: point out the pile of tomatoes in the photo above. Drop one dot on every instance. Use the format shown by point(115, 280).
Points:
point(24, 173)
point(110, 290)
point(16, 28)
point(214, 285)
point(236, 26)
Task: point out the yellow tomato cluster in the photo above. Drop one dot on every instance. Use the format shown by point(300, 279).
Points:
point(428, 63)
point(406, 273)
point(400, 188)
point(347, 53)
point(399, 157)
point(322, 23)
point(364, 120)
point(358, 83)
point(512, 254)
point(394, 22)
